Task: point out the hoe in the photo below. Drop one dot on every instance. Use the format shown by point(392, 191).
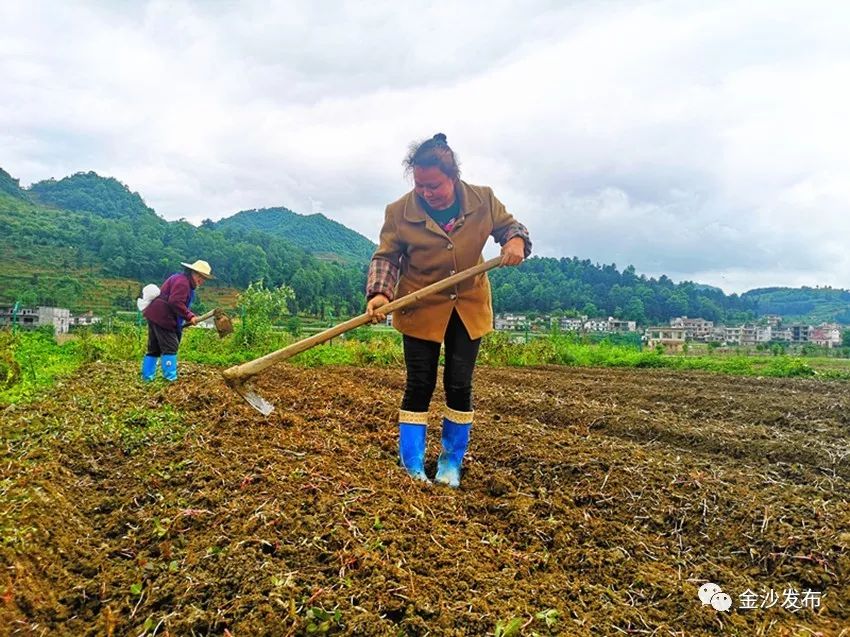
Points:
point(222, 322)
point(237, 375)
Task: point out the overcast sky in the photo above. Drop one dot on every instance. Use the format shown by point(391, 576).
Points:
point(703, 140)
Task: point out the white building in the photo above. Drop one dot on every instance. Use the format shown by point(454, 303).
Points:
point(749, 334)
point(697, 329)
point(617, 325)
point(672, 339)
point(85, 320)
point(826, 335)
point(781, 334)
point(28, 318)
point(568, 323)
point(59, 317)
point(596, 325)
point(732, 335)
point(510, 322)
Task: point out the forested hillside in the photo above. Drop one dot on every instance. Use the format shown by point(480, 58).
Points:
point(10, 185)
point(104, 230)
point(89, 192)
point(803, 304)
point(576, 285)
point(86, 240)
point(322, 237)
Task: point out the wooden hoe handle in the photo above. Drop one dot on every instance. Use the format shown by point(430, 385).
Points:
point(239, 372)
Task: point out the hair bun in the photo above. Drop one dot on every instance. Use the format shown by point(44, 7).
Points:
point(440, 138)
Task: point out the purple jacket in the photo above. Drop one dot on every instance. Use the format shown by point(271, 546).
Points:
point(173, 301)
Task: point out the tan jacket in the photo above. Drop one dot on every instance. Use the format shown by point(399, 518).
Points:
point(415, 244)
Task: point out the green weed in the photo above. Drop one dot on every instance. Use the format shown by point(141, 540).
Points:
point(511, 628)
point(321, 621)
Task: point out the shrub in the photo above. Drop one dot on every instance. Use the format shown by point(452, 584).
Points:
point(261, 307)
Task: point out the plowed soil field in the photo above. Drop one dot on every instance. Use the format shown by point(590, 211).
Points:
point(593, 502)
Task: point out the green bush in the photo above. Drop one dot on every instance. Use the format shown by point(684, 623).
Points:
point(327, 354)
point(380, 349)
point(90, 349)
point(35, 361)
point(788, 367)
point(126, 342)
point(261, 307)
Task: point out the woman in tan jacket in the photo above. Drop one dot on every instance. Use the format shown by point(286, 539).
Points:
point(432, 232)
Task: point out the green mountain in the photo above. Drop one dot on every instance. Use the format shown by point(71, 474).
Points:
point(10, 186)
point(62, 242)
point(809, 305)
point(322, 237)
point(89, 192)
point(89, 242)
point(578, 286)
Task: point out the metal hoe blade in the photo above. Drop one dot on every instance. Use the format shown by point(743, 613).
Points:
point(253, 398)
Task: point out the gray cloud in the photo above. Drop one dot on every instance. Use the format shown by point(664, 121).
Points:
point(704, 141)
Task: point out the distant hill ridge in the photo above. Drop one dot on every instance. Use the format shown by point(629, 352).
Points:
point(62, 239)
point(824, 304)
point(89, 192)
point(11, 186)
point(315, 233)
point(109, 198)
point(85, 239)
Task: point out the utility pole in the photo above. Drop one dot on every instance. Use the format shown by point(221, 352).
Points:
point(15, 316)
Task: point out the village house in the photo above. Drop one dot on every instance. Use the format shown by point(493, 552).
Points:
point(696, 329)
point(782, 334)
point(516, 322)
point(768, 330)
point(24, 317)
point(672, 339)
point(732, 334)
point(748, 335)
point(764, 334)
point(826, 335)
point(568, 323)
point(799, 333)
point(87, 319)
point(28, 318)
point(617, 325)
point(596, 325)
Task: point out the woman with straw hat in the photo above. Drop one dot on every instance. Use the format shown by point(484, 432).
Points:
point(166, 315)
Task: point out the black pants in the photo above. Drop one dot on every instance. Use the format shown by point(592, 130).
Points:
point(422, 358)
point(162, 341)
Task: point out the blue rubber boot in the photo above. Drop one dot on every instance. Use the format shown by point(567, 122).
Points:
point(455, 439)
point(169, 367)
point(149, 368)
point(412, 427)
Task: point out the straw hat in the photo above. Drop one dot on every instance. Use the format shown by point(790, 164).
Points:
point(201, 267)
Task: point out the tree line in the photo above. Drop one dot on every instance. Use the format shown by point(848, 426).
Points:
point(578, 286)
point(87, 223)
